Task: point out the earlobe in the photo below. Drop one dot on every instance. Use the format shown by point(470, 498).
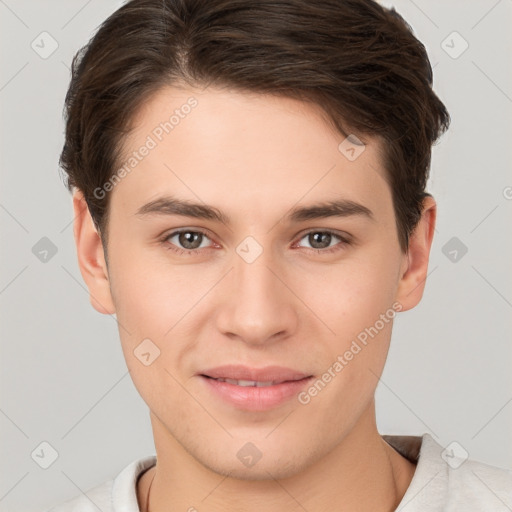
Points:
point(91, 258)
point(412, 282)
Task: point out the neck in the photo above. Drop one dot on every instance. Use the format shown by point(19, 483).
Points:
point(362, 473)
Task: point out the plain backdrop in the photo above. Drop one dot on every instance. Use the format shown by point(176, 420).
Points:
point(64, 382)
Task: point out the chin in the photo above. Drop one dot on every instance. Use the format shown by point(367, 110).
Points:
point(261, 471)
point(259, 460)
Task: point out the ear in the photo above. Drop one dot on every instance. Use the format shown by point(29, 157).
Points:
point(91, 258)
point(414, 269)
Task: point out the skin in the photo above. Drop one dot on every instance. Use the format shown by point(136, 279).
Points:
point(254, 157)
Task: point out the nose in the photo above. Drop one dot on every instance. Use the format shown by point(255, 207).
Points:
point(258, 306)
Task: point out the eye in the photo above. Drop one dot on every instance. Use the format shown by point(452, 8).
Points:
point(188, 241)
point(320, 241)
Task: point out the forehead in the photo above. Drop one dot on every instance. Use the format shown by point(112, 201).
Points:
point(250, 150)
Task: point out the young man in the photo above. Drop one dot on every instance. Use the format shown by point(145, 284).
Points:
point(249, 189)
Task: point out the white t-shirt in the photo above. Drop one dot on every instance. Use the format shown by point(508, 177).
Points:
point(442, 482)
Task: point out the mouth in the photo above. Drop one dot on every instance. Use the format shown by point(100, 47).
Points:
point(254, 389)
point(247, 376)
point(251, 383)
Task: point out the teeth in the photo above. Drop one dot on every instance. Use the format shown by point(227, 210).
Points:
point(247, 383)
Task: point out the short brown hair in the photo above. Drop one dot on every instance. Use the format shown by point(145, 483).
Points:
point(357, 60)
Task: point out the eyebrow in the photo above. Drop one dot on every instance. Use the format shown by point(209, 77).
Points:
point(169, 205)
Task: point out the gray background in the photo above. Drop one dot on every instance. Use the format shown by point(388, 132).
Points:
point(63, 375)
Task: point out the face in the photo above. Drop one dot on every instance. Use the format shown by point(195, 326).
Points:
point(258, 275)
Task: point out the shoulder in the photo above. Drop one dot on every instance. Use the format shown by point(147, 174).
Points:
point(119, 493)
point(447, 479)
point(97, 498)
point(476, 485)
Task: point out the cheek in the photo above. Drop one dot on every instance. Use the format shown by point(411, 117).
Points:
point(162, 303)
point(151, 297)
point(355, 299)
point(150, 304)
point(350, 295)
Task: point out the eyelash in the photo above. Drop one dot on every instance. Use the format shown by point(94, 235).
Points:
point(192, 252)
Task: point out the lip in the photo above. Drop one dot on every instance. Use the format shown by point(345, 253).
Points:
point(266, 374)
point(252, 398)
